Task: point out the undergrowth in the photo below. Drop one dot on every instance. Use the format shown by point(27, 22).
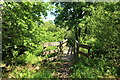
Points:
point(26, 73)
point(93, 68)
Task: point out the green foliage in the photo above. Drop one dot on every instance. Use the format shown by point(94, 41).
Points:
point(19, 21)
point(27, 58)
point(43, 74)
point(23, 32)
point(22, 74)
point(118, 71)
point(31, 58)
point(99, 21)
point(93, 68)
point(51, 48)
point(26, 73)
point(69, 16)
point(104, 26)
point(21, 59)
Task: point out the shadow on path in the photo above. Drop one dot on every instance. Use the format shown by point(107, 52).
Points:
point(66, 59)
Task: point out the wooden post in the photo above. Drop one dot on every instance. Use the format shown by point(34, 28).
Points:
point(75, 50)
point(77, 39)
point(88, 51)
point(61, 47)
point(77, 34)
point(44, 49)
point(79, 31)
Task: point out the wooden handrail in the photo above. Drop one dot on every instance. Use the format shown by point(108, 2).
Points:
point(84, 54)
point(54, 43)
point(51, 44)
point(83, 46)
point(59, 44)
point(51, 51)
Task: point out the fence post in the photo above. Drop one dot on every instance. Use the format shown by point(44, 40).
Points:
point(44, 49)
point(60, 46)
point(76, 49)
point(77, 33)
point(88, 51)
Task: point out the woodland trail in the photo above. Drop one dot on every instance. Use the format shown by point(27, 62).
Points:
point(66, 59)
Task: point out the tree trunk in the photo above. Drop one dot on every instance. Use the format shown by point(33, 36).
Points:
point(77, 35)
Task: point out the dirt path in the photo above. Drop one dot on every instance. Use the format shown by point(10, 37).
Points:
point(65, 63)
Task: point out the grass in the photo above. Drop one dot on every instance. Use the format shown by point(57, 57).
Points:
point(93, 68)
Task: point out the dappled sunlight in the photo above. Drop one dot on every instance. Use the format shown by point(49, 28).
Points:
point(76, 40)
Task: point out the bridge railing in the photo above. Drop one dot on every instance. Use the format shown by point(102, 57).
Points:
point(59, 45)
point(77, 44)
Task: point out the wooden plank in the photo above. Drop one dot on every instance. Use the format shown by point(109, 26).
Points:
point(54, 43)
point(64, 41)
point(60, 44)
point(51, 44)
point(64, 44)
point(51, 52)
point(84, 46)
point(52, 58)
point(44, 49)
point(84, 54)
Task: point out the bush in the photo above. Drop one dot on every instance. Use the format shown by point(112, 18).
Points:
point(26, 73)
point(93, 68)
point(27, 58)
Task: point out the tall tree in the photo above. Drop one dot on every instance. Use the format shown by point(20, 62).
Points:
point(101, 21)
point(71, 14)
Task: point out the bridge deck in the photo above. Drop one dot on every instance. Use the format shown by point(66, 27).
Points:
point(64, 67)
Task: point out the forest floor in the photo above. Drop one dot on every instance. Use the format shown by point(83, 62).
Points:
point(62, 67)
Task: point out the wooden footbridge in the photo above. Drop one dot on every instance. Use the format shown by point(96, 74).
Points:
point(72, 49)
point(66, 54)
